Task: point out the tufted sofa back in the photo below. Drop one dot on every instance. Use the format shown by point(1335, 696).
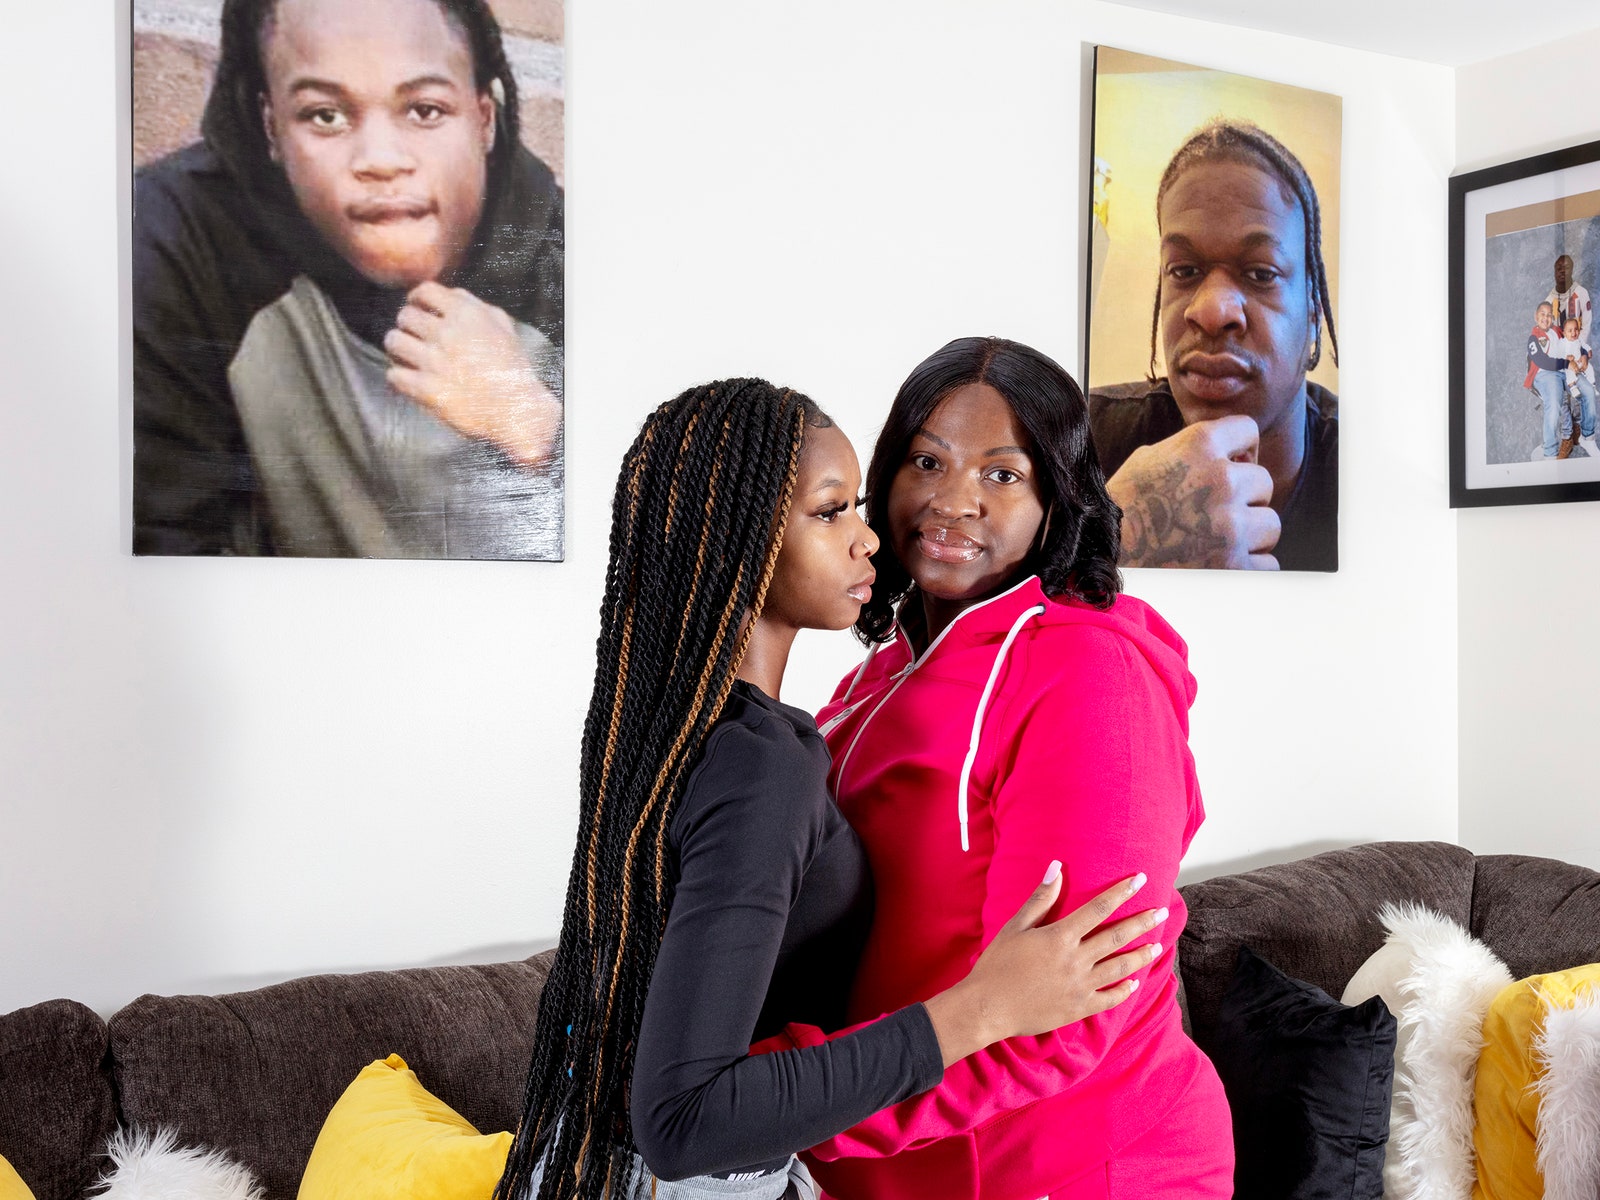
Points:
point(1316, 918)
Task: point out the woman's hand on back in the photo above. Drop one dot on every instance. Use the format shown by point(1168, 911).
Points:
point(1036, 976)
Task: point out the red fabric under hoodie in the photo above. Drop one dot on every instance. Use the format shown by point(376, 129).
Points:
point(1028, 730)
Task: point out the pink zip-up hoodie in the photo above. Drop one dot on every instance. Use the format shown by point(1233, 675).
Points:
point(1028, 730)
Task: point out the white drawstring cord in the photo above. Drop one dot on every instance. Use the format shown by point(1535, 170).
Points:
point(872, 653)
point(977, 720)
point(847, 708)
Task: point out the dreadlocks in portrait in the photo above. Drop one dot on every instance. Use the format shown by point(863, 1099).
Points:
point(1230, 458)
point(347, 299)
point(716, 893)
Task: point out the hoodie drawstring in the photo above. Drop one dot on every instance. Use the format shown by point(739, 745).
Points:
point(977, 720)
point(833, 722)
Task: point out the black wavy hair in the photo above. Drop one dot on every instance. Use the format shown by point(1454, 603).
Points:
point(1242, 142)
point(1077, 558)
point(699, 513)
point(231, 123)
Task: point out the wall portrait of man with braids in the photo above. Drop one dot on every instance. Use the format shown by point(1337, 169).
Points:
point(348, 269)
point(1213, 348)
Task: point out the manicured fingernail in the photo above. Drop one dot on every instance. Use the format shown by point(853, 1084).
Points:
point(1054, 871)
point(1133, 986)
point(1156, 948)
point(1159, 915)
point(1139, 881)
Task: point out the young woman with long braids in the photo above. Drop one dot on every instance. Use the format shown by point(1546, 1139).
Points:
point(716, 893)
point(1013, 700)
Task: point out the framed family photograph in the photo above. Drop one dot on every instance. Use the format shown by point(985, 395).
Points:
point(1213, 311)
point(1524, 263)
point(348, 278)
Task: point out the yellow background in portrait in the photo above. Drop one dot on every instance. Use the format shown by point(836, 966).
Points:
point(1144, 109)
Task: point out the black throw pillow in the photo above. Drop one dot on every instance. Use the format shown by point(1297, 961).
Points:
point(1309, 1082)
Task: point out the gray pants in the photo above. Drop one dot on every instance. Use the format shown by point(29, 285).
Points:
point(794, 1182)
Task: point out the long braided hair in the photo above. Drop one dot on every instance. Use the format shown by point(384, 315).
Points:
point(699, 514)
point(1240, 141)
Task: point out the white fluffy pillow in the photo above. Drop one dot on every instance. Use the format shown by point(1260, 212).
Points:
point(1568, 1048)
point(151, 1166)
point(1438, 980)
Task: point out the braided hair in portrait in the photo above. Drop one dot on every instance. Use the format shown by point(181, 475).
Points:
point(231, 123)
point(1075, 555)
point(698, 516)
point(1242, 142)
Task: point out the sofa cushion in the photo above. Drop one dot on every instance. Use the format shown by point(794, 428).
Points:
point(389, 1138)
point(1308, 1082)
point(11, 1185)
point(1316, 919)
point(1439, 981)
point(1538, 914)
point(1513, 1144)
point(148, 1164)
point(255, 1073)
point(56, 1105)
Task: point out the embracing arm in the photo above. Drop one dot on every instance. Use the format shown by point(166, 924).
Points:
point(700, 1102)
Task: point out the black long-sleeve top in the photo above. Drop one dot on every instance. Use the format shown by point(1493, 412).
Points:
point(772, 906)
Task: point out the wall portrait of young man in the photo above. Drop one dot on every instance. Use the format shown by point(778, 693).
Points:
point(348, 267)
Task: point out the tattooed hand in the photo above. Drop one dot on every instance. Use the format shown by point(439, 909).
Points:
point(1198, 499)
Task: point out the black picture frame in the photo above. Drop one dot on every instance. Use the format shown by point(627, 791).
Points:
point(1551, 199)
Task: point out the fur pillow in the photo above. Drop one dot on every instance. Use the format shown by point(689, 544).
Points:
point(1568, 1048)
point(1439, 981)
point(151, 1166)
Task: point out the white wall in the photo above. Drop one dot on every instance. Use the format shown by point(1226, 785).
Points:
point(1529, 575)
point(217, 772)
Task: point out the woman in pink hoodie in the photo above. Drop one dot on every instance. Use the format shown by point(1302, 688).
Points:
point(1014, 705)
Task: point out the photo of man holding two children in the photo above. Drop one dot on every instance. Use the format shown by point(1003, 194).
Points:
point(348, 292)
point(1540, 396)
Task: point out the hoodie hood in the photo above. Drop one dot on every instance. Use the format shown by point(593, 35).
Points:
point(1149, 632)
point(990, 621)
point(984, 639)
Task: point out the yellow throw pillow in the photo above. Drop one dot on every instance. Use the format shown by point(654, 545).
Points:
point(388, 1136)
point(11, 1185)
point(1506, 1103)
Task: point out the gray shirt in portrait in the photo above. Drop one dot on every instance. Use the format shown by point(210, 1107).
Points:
point(349, 467)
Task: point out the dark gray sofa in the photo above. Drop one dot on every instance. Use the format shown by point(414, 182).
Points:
point(255, 1073)
point(1316, 918)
